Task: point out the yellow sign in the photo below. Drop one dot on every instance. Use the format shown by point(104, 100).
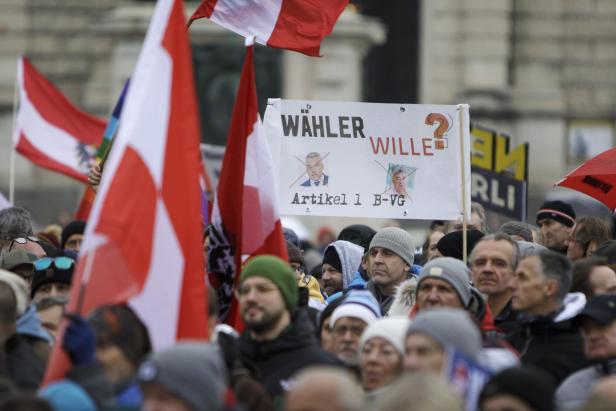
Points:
point(490, 151)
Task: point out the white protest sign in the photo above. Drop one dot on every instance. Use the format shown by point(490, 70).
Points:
point(370, 160)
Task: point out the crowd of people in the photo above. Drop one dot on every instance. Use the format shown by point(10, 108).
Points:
point(363, 320)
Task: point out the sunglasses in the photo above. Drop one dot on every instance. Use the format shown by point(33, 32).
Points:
point(23, 240)
point(61, 263)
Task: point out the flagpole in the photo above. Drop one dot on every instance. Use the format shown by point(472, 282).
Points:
point(463, 174)
point(85, 279)
point(12, 161)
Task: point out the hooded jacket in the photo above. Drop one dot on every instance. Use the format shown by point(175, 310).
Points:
point(29, 324)
point(276, 361)
point(350, 256)
point(553, 343)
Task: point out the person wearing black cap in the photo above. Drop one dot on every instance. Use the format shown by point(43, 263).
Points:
point(519, 389)
point(52, 277)
point(451, 244)
point(556, 220)
point(106, 350)
point(598, 324)
point(72, 236)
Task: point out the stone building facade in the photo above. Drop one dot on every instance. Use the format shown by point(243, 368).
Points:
point(535, 69)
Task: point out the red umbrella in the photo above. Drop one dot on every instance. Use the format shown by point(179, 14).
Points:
point(596, 178)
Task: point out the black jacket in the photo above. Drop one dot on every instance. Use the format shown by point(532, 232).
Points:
point(276, 361)
point(553, 344)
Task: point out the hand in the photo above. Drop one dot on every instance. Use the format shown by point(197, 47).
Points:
point(94, 177)
point(79, 340)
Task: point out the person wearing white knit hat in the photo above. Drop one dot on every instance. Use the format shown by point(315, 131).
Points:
point(381, 352)
point(348, 322)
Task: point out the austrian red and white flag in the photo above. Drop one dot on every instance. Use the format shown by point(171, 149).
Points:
point(49, 130)
point(298, 25)
point(143, 240)
point(245, 208)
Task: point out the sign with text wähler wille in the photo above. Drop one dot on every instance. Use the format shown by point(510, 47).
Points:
point(370, 160)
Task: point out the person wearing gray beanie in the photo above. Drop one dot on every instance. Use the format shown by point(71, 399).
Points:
point(444, 272)
point(433, 332)
point(390, 258)
point(396, 240)
point(190, 373)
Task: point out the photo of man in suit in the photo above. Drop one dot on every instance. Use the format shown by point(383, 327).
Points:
point(314, 169)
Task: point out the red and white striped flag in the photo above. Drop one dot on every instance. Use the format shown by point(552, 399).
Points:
point(143, 240)
point(298, 25)
point(245, 208)
point(49, 130)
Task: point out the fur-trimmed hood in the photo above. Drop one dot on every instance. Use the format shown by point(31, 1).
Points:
point(404, 298)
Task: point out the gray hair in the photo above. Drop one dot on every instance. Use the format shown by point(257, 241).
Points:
point(313, 154)
point(499, 236)
point(537, 234)
point(419, 392)
point(15, 222)
point(526, 248)
point(517, 228)
point(481, 213)
point(350, 396)
point(555, 266)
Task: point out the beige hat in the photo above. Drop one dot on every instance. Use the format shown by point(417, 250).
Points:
point(19, 287)
point(16, 258)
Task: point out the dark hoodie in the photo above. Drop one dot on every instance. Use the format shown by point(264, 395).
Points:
point(276, 361)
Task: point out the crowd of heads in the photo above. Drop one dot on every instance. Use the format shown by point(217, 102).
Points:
point(521, 317)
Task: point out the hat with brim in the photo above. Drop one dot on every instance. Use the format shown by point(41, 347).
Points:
point(601, 309)
point(17, 258)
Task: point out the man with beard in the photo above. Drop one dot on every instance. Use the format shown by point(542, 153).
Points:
point(556, 220)
point(341, 262)
point(279, 339)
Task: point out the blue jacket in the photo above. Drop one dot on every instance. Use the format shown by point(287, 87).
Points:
point(357, 283)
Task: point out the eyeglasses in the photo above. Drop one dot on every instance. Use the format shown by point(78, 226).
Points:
point(297, 267)
point(244, 290)
point(23, 240)
point(356, 331)
point(61, 263)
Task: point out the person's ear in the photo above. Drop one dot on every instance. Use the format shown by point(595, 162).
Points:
point(551, 288)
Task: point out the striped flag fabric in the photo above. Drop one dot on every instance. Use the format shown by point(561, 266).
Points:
point(49, 130)
point(297, 25)
point(87, 200)
point(142, 243)
point(245, 213)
